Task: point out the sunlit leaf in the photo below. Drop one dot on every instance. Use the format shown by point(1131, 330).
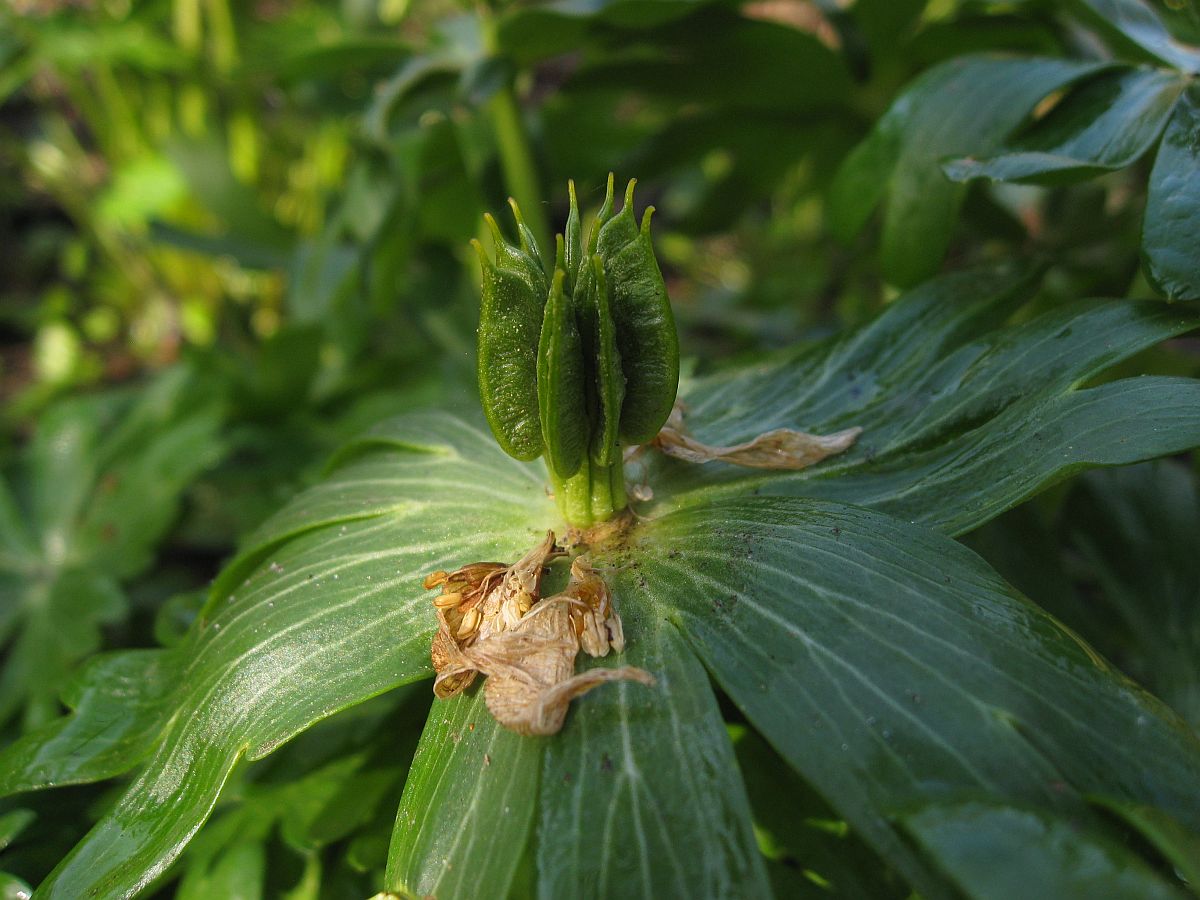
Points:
point(98, 486)
point(468, 805)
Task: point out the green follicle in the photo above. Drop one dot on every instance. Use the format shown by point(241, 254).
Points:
point(592, 495)
point(576, 362)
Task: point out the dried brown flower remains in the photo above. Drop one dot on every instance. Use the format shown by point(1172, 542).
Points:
point(493, 620)
point(782, 448)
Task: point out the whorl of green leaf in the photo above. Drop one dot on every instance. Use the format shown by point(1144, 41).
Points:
point(583, 359)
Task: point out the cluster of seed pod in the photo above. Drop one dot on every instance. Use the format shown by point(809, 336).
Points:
point(579, 360)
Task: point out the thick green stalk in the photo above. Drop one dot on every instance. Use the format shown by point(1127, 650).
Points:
point(592, 495)
point(512, 146)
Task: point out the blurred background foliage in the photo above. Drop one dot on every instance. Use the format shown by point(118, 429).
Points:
point(234, 234)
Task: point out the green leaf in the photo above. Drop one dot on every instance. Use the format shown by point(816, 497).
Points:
point(14, 888)
point(640, 793)
point(468, 805)
point(1173, 205)
point(796, 828)
point(333, 616)
point(890, 666)
point(1108, 123)
point(994, 852)
point(120, 703)
point(1137, 533)
point(530, 33)
point(1177, 844)
point(98, 487)
point(959, 423)
point(966, 106)
point(1136, 22)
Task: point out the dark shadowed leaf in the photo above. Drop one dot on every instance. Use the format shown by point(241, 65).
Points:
point(843, 636)
point(995, 852)
point(966, 106)
point(94, 493)
point(1173, 205)
point(1179, 846)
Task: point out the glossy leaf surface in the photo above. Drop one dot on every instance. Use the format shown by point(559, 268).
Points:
point(1108, 123)
point(958, 426)
point(1137, 22)
point(339, 607)
point(831, 627)
point(468, 805)
point(835, 631)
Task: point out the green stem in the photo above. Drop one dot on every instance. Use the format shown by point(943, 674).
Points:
point(592, 495)
point(512, 145)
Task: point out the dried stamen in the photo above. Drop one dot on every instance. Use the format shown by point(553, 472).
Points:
point(525, 645)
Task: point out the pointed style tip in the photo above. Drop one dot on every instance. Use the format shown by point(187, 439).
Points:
point(494, 228)
point(629, 194)
point(646, 216)
point(516, 211)
point(483, 257)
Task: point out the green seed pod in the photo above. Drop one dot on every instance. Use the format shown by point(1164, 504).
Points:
point(645, 327)
point(579, 364)
point(562, 402)
point(510, 322)
point(573, 249)
point(605, 380)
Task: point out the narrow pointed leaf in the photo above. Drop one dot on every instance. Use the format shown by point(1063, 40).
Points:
point(1108, 123)
point(1136, 22)
point(889, 665)
point(334, 616)
point(641, 795)
point(1172, 216)
point(966, 106)
point(468, 805)
point(960, 424)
